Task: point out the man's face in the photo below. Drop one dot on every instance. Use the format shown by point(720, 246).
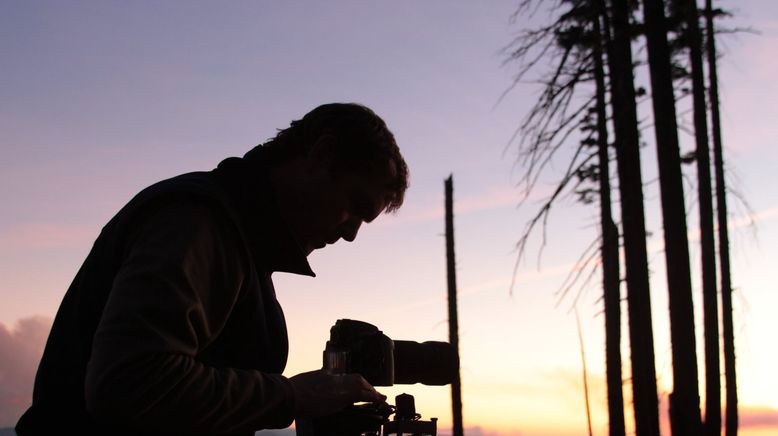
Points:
point(333, 205)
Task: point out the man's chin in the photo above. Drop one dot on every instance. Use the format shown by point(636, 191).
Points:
point(316, 246)
point(313, 246)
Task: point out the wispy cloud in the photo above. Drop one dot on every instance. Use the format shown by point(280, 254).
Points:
point(657, 244)
point(493, 199)
point(46, 236)
point(20, 352)
point(499, 285)
point(561, 269)
point(757, 217)
point(758, 417)
point(482, 431)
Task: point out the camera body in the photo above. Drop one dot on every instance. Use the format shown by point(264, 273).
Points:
point(360, 347)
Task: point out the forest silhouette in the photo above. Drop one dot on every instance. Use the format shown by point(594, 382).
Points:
point(589, 102)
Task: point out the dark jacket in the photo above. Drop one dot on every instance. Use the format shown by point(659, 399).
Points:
point(171, 325)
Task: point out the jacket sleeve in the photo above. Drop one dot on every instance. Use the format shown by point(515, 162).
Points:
point(170, 299)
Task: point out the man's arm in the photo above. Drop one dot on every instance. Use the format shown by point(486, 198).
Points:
point(170, 299)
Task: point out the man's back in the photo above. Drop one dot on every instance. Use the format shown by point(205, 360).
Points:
point(143, 293)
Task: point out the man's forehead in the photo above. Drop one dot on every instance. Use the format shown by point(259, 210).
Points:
point(376, 187)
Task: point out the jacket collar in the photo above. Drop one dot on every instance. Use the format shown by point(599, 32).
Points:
point(251, 194)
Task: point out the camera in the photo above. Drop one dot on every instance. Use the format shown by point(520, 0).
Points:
point(360, 347)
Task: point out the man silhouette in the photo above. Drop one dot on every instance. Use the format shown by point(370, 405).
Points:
point(171, 325)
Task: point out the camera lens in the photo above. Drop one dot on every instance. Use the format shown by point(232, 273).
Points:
point(429, 363)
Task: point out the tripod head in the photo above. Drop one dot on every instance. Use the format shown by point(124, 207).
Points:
point(370, 419)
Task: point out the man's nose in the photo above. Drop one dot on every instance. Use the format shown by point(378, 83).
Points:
point(350, 229)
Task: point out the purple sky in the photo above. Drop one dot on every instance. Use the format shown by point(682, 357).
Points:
point(100, 99)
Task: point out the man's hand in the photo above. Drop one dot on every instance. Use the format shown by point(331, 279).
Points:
point(318, 393)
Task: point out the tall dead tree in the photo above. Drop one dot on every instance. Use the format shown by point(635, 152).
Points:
point(730, 375)
point(611, 278)
point(693, 40)
point(684, 400)
point(453, 317)
point(625, 121)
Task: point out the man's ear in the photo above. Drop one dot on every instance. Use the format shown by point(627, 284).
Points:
point(321, 154)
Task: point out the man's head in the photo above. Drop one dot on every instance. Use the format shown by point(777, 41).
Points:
point(337, 167)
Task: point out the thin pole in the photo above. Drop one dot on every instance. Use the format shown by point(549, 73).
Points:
point(453, 322)
point(585, 375)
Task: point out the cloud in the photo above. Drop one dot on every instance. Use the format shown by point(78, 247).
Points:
point(757, 217)
point(46, 236)
point(20, 352)
point(464, 205)
point(657, 245)
point(758, 417)
point(480, 431)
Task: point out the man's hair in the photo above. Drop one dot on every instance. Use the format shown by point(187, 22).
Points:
point(362, 142)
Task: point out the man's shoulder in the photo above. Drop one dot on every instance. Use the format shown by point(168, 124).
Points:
point(196, 184)
point(192, 200)
point(196, 191)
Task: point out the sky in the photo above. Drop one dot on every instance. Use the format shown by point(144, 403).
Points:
point(101, 99)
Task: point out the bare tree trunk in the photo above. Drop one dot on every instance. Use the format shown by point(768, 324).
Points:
point(685, 401)
point(707, 241)
point(453, 319)
point(721, 203)
point(611, 279)
point(633, 221)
